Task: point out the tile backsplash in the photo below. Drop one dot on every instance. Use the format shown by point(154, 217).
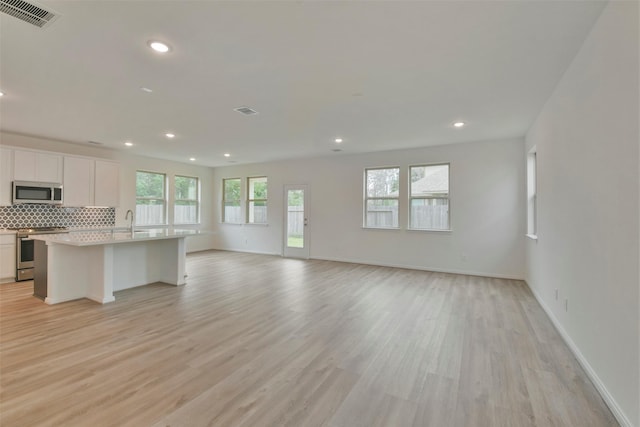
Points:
point(32, 215)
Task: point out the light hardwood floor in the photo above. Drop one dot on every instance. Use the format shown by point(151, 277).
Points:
point(257, 340)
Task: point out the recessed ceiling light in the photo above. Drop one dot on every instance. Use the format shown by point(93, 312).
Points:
point(338, 140)
point(159, 47)
point(458, 124)
point(170, 135)
point(146, 89)
point(227, 155)
point(128, 143)
point(1, 93)
point(193, 159)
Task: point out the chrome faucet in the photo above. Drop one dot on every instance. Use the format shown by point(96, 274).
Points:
point(127, 217)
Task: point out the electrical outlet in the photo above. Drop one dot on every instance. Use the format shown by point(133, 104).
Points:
point(566, 305)
point(557, 294)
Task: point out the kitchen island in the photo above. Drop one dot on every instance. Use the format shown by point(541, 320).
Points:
point(95, 264)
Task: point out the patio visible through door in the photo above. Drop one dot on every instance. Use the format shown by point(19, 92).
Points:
point(296, 237)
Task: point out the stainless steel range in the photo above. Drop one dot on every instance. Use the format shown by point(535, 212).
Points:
point(24, 249)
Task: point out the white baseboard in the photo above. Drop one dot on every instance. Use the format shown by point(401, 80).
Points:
point(244, 251)
point(423, 268)
point(618, 413)
point(382, 264)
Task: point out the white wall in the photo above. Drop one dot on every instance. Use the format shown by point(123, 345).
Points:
point(588, 188)
point(129, 164)
point(487, 210)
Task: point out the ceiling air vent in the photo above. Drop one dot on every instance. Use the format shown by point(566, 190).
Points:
point(29, 12)
point(246, 111)
point(95, 142)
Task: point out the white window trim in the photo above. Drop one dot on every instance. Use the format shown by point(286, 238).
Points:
point(410, 198)
point(197, 200)
point(366, 198)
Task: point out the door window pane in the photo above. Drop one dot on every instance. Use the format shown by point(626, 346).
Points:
point(295, 219)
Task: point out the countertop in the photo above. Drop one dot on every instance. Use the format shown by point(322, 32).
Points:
point(114, 236)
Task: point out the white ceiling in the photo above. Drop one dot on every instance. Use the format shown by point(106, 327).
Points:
point(382, 75)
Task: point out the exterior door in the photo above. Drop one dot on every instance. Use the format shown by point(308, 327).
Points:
point(296, 235)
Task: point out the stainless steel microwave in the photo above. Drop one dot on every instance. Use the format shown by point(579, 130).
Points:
point(37, 192)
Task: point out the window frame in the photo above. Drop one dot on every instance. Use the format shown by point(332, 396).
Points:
point(250, 200)
point(411, 198)
point(367, 198)
point(196, 200)
point(165, 202)
point(225, 200)
point(532, 193)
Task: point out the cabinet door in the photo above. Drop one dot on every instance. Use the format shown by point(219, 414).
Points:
point(78, 182)
point(48, 167)
point(8, 258)
point(107, 184)
point(24, 165)
point(35, 166)
point(6, 176)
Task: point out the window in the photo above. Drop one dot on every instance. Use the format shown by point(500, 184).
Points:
point(231, 211)
point(150, 198)
point(257, 200)
point(532, 194)
point(429, 197)
point(187, 200)
point(381, 197)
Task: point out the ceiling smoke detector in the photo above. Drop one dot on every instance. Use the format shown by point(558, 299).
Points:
point(246, 111)
point(30, 12)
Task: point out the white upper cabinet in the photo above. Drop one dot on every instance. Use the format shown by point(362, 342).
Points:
point(107, 184)
point(6, 176)
point(78, 181)
point(37, 166)
point(86, 181)
point(91, 182)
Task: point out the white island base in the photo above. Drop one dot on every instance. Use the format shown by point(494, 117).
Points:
point(95, 267)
